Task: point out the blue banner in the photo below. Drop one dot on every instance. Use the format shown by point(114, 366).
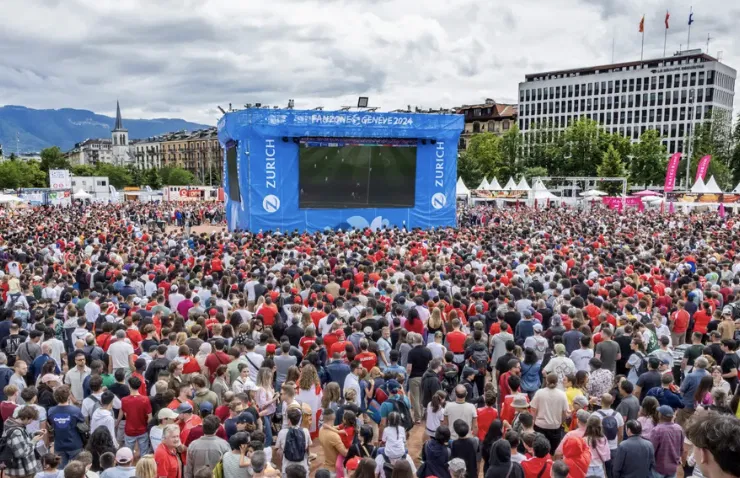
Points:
point(267, 167)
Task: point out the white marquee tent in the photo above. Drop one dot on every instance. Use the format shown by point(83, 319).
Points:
point(712, 187)
point(483, 184)
point(461, 189)
point(523, 186)
point(699, 186)
point(510, 185)
point(494, 185)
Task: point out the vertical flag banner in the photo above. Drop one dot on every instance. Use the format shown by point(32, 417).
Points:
point(642, 30)
point(665, 35)
point(670, 175)
point(691, 20)
point(642, 25)
point(701, 169)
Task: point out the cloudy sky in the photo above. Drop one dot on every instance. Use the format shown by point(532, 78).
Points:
point(181, 58)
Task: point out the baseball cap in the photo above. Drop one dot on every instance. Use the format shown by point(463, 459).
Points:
point(665, 411)
point(469, 371)
point(184, 408)
point(50, 377)
point(456, 465)
point(173, 287)
point(124, 455)
point(205, 406)
point(368, 330)
point(352, 463)
point(245, 417)
point(537, 327)
point(271, 348)
point(393, 385)
point(166, 413)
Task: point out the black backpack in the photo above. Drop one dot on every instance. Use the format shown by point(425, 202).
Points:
point(295, 445)
point(450, 380)
point(400, 407)
point(643, 367)
point(609, 424)
point(479, 360)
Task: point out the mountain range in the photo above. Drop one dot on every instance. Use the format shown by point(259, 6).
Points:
point(39, 129)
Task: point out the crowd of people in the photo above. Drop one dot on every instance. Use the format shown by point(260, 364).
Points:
point(522, 343)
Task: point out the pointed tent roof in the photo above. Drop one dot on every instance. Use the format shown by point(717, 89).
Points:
point(510, 185)
point(699, 186)
point(494, 185)
point(737, 188)
point(539, 191)
point(119, 122)
point(712, 186)
point(523, 186)
point(483, 184)
point(461, 189)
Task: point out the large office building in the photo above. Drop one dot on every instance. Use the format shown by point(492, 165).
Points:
point(669, 94)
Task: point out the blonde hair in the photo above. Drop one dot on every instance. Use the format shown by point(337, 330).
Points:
point(147, 467)
point(264, 378)
point(331, 394)
point(181, 338)
point(375, 372)
point(435, 321)
point(309, 377)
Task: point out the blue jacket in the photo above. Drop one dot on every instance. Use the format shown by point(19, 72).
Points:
point(635, 458)
point(524, 329)
point(689, 385)
point(666, 397)
point(338, 371)
point(63, 420)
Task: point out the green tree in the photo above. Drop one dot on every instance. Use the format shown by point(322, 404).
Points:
point(649, 160)
point(582, 148)
point(710, 138)
point(118, 176)
point(10, 175)
point(136, 174)
point(153, 179)
point(21, 174)
point(33, 176)
point(83, 170)
point(511, 145)
point(611, 166)
point(734, 160)
point(533, 172)
point(180, 177)
point(12, 157)
point(53, 158)
point(486, 152)
point(467, 169)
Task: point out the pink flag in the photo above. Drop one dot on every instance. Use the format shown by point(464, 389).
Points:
point(701, 170)
point(722, 210)
point(670, 174)
point(671, 209)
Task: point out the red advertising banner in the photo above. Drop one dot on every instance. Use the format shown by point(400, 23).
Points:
point(701, 170)
point(670, 174)
point(613, 202)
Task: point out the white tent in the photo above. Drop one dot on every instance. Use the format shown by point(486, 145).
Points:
point(540, 192)
point(510, 185)
point(523, 186)
point(494, 185)
point(483, 184)
point(461, 189)
point(80, 194)
point(7, 198)
point(712, 186)
point(592, 193)
point(699, 186)
point(737, 188)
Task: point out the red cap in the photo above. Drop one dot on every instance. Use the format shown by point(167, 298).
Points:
point(352, 463)
point(212, 311)
point(271, 348)
point(297, 300)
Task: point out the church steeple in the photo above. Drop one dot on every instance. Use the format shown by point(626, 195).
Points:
point(119, 122)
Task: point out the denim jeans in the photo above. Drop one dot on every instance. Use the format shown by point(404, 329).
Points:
point(268, 430)
point(142, 440)
point(67, 456)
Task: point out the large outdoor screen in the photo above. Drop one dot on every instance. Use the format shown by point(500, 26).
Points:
point(341, 173)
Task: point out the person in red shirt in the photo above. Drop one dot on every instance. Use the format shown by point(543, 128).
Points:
point(702, 318)
point(7, 407)
point(541, 463)
point(268, 311)
point(136, 409)
point(168, 465)
point(103, 340)
point(486, 415)
point(217, 358)
point(456, 338)
point(132, 332)
point(140, 365)
point(680, 324)
point(307, 340)
point(366, 358)
point(339, 346)
point(206, 410)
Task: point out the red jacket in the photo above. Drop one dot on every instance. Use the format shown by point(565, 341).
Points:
point(537, 467)
point(577, 455)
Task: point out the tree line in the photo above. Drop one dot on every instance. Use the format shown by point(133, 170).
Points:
point(16, 174)
point(585, 148)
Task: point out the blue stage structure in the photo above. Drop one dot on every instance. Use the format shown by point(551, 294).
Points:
point(261, 168)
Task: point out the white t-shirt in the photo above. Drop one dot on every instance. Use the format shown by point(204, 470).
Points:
point(438, 350)
point(460, 411)
point(395, 442)
point(581, 357)
point(254, 362)
point(434, 420)
point(119, 352)
point(551, 405)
